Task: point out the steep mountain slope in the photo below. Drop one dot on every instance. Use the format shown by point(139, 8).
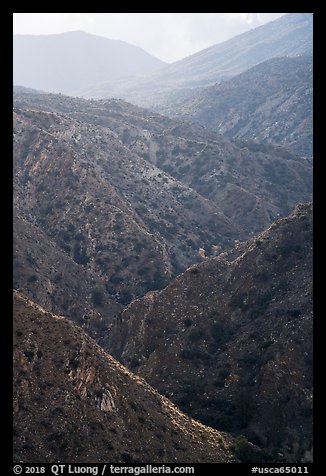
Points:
point(265, 181)
point(69, 61)
point(290, 35)
point(252, 183)
point(230, 340)
point(269, 102)
point(46, 274)
point(74, 403)
point(127, 221)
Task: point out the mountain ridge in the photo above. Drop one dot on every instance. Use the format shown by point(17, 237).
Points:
point(288, 35)
point(124, 234)
point(73, 402)
point(136, 197)
point(237, 352)
point(183, 253)
point(271, 102)
point(201, 159)
point(81, 58)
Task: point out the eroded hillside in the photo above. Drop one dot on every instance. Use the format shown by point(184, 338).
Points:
point(73, 402)
point(230, 340)
point(251, 184)
point(108, 209)
point(46, 274)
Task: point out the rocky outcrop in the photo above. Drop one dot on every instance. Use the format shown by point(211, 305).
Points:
point(73, 402)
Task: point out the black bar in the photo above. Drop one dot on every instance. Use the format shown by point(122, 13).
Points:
point(107, 469)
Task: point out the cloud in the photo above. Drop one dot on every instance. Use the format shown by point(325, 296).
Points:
point(169, 36)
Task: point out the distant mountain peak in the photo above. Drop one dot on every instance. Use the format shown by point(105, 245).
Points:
point(66, 62)
point(289, 35)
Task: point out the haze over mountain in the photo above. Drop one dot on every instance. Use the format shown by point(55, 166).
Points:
point(181, 244)
point(76, 59)
point(289, 35)
point(270, 102)
point(230, 340)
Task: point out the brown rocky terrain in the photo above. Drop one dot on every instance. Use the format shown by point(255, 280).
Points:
point(230, 340)
point(75, 403)
point(46, 274)
point(132, 225)
point(108, 209)
point(251, 184)
point(99, 222)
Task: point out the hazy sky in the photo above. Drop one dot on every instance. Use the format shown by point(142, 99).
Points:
point(169, 36)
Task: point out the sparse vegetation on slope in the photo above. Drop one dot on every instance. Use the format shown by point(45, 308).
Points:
point(46, 274)
point(249, 184)
point(271, 102)
point(73, 403)
point(107, 208)
point(230, 340)
point(132, 225)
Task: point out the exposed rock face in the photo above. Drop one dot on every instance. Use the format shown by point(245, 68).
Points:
point(111, 203)
point(271, 102)
point(73, 402)
point(230, 340)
